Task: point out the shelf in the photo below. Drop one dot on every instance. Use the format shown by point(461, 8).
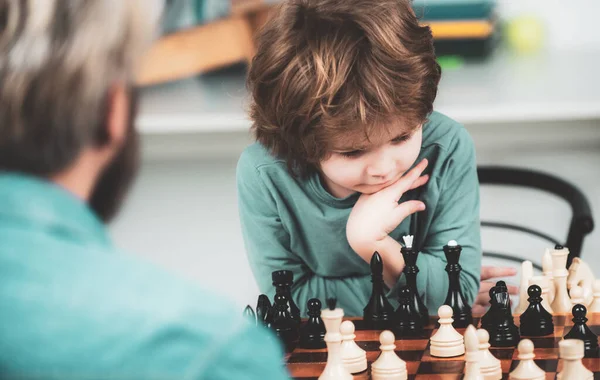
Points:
point(560, 85)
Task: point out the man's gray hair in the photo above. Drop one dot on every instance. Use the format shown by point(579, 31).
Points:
point(58, 60)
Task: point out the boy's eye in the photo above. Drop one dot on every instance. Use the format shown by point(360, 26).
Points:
point(352, 153)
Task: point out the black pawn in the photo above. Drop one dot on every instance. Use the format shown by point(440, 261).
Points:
point(282, 281)
point(249, 314)
point(264, 311)
point(410, 272)
point(312, 334)
point(487, 321)
point(284, 326)
point(582, 332)
point(504, 332)
point(535, 320)
point(379, 313)
point(461, 311)
point(408, 321)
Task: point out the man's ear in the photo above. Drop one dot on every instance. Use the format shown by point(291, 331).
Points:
point(118, 114)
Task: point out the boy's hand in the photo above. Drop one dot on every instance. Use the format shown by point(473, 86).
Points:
point(482, 301)
point(374, 216)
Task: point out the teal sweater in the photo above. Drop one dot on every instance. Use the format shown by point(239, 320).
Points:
point(74, 307)
point(295, 224)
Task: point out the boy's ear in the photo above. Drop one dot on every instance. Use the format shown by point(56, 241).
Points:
point(118, 114)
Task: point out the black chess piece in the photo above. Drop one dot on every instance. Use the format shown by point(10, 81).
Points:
point(282, 281)
point(250, 315)
point(284, 326)
point(487, 321)
point(312, 334)
point(501, 287)
point(504, 332)
point(408, 322)
point(535, 320)
point(379, 313)
point(410, 271)
point(461, 311)
point(264, 310)
point(581, 331)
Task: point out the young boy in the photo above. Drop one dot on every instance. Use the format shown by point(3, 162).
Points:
point(350, 155)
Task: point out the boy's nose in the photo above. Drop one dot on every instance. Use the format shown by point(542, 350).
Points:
point(382, 168)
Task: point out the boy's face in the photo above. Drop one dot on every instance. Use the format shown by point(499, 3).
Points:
point(369, 165)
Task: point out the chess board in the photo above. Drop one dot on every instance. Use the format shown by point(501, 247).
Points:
point(308, 364)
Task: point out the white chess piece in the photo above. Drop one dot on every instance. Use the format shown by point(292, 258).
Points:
point(446, 342)
point(526, 274)
point(543, 283)
point(527, 369)
point(490, 366)
point(581, 274)
point(561, 303)
point(595, 306)
point(571, 352)
point(388, 365)
point(334, 369)
point(547, 271)
point(473, 355)
point(353, 357)
point(576, 295)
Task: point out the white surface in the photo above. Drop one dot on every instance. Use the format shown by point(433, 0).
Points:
point(562, 85)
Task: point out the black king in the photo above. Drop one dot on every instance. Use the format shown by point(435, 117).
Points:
point(461, 309)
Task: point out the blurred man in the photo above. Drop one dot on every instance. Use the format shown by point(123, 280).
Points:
point(71, 305)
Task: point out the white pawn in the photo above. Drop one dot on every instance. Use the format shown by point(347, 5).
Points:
point(388, 365)
point(571, 352)
point(527, 369)
point(576, 295)
point(446, 342)
point(353, 357)
point(595, 306)
point(490, 366)
point(473, 355)
point(526, 274)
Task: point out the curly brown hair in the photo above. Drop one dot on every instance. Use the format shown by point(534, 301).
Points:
point(325, 69)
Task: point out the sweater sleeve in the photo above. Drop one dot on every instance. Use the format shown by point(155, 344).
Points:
point(455, 217)
point(267, 244)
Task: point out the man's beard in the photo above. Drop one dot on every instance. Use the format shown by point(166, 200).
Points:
point(114, 182)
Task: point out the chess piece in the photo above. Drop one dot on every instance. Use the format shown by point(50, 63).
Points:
point(571, 353)
point(561, 303)
point(264, 311)
point(576, 294)
point(250, 315)
point(581, 274)
point(353, 357)
point(504, 332)
point(410, 272)
point(312, 334)
point(536, 321)
point(446, 342)
point(408, 322)
point(487, 321)
point(490, 366)
point(455, 299)
point(334, 369)
point(388, 365)
point(581, 331)
point(595, 306)
point(379, 313)
point(284, 326)
point(526, 369)
point(472, 355)
point(544, 284)
point(547, 271)
point(526, 274)
point(283, 281)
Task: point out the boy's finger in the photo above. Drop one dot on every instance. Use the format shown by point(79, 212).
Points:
point(419, 182)
point(404, 209)
point(404, 183)
point(513, 289)
point(488, 272)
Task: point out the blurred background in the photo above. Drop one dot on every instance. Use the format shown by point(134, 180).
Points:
point(522, 76)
